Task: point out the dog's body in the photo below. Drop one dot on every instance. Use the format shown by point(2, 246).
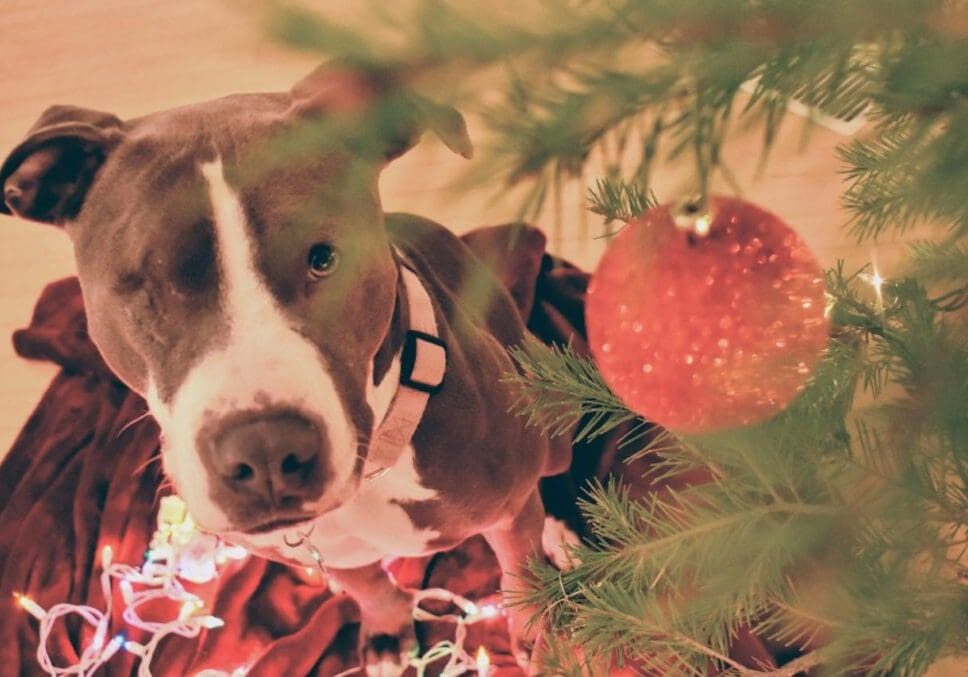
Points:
point(238, 271)
point(464, 472)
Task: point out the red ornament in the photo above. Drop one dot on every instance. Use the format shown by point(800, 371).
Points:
point(710, 326)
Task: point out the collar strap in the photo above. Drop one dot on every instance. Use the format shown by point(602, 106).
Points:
point(423, 361)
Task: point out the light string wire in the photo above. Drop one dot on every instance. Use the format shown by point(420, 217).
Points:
point(179, 551)
point(173, 555)
point(459, 660)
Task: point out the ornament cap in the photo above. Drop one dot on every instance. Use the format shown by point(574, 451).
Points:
point(692, 214)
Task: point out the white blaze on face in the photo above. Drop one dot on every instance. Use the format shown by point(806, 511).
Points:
point(263, 361)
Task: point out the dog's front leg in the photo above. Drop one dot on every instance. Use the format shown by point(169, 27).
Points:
point(514, 543)
point(386, 619)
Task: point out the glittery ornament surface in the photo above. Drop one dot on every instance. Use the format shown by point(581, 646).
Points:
point(704, 333)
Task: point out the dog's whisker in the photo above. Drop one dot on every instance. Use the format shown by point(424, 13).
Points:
point(132, 422)
point(151, 459)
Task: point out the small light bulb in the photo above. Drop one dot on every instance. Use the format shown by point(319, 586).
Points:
point(483, 662)
point(211, 622)
point(113, 647)
point(127, 591)
point(135, 648)
point(189, 608)
point(876, 281)
point(30, 606)
point(490, 611)
point(107, 555)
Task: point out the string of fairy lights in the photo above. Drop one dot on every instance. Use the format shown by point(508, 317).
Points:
point(179, 552)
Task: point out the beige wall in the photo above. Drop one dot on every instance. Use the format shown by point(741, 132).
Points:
point(135, 56)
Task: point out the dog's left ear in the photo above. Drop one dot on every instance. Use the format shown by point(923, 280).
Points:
point(46, 177)
point(401, 116)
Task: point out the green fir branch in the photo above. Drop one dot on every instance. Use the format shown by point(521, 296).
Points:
point(564, 393)
point(617, 200)
point(566, 99)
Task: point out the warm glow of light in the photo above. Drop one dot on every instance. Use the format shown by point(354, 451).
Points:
point(483, 662)
point(30, 606)
point(189, 608)
point(490, 611)
point(107, 555)
point(200, 570)
point(877, 282)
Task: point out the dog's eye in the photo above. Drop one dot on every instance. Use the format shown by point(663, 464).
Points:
point(322, 261)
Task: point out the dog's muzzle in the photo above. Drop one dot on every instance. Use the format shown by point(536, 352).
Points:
point(267, 468)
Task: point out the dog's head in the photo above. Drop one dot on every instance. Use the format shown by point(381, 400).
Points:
point(236, 272)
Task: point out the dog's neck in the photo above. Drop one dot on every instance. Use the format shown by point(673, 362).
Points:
point(396, 335)
point(412, 360)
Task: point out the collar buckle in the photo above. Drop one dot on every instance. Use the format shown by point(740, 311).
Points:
point(423, 362)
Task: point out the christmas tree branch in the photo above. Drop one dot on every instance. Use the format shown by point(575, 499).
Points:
point(684, 84)
point(558, 390)
point(617, 200)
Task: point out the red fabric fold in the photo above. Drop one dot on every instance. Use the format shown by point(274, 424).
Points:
point(84, 473)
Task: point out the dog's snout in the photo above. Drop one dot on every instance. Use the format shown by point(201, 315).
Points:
point(273, 461)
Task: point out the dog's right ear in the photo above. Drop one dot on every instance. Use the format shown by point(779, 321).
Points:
point(46, 177)
point(348, 90)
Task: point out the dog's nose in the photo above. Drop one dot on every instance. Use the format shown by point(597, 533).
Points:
point(270, 461)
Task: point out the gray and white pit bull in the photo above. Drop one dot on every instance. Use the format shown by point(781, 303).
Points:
point(239, 272)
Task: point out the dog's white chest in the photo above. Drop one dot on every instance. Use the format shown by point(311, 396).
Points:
point(370, 526)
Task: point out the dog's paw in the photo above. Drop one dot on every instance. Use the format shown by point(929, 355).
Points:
point(558, 541)
point(384, 655)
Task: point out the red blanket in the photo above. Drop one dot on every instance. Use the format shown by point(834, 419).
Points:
point(84, 473)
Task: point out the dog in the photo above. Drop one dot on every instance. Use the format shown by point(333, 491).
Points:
point(327, 378)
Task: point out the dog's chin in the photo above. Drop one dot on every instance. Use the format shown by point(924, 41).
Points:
point(303, 521)
point(296, 523)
